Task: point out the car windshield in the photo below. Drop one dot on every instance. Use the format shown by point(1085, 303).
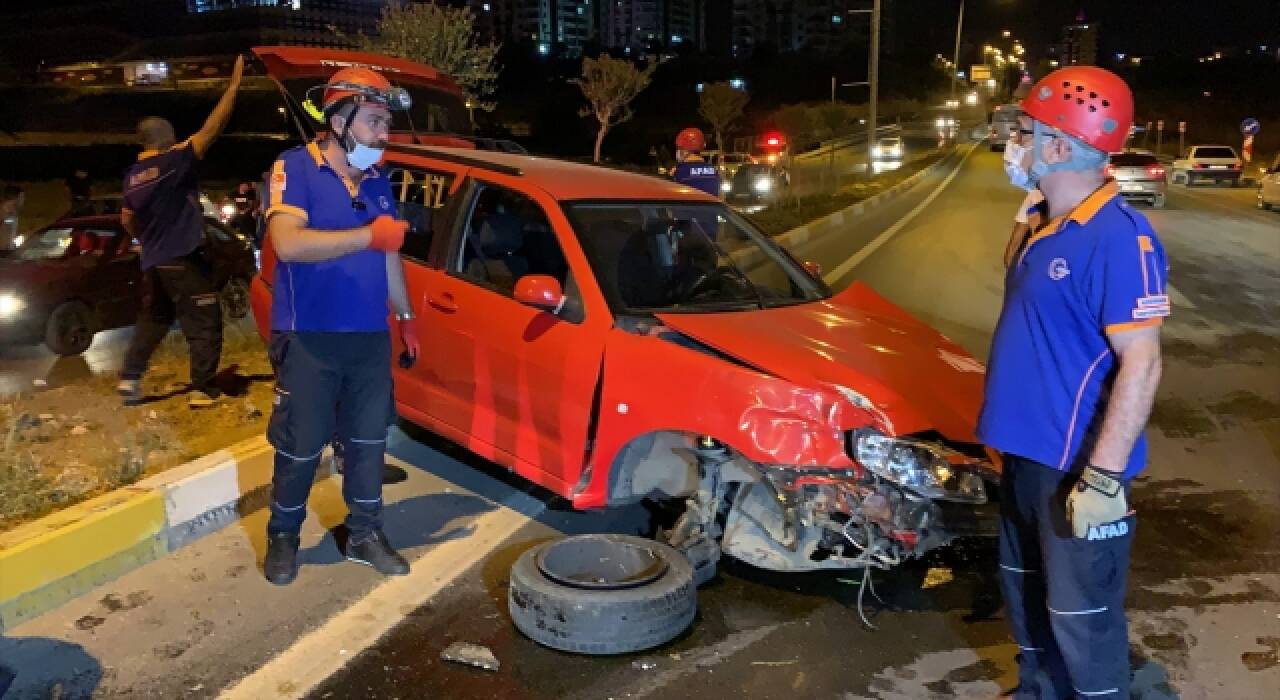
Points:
point(48, 244)
point(1133, 160)
point(1215, 152)
point(654, 257)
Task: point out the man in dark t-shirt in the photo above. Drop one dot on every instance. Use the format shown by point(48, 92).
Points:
point(162, 211)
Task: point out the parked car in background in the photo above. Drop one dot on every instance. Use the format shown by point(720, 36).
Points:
point(1140, 176)
point(1217, 163)
point(79, 276)
point(728, 163)
point(1004, 122)
point(1269, 187)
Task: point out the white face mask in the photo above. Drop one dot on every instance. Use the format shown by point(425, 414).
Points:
point(1018, 176)
point(363, 157)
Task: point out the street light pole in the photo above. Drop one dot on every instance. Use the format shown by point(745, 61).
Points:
point(874, 78)
point(955, 57)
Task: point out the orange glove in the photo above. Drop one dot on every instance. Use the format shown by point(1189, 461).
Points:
point(387, 234)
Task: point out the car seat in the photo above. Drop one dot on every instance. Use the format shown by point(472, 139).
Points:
point(494, 251)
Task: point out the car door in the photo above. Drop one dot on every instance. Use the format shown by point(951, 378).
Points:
point(516, 381)
point(114, 275)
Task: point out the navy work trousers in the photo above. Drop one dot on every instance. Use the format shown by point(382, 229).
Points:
point(329, 384)
point(1064, 595)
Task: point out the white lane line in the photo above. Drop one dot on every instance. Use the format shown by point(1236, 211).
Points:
point(311, 660)
point(844, 267)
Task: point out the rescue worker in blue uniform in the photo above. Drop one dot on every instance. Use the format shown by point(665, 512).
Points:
point(162, 211)
point(691, 169)
point(1075, 362)
point(331, 223)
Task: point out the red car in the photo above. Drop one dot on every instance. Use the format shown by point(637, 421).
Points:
point(615, 337)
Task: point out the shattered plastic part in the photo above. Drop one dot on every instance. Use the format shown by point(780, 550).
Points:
point(471, 655)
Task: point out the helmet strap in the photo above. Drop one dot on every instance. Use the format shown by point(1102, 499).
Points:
point(346, 139)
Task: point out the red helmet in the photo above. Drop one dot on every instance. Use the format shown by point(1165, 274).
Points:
point(363, 85)
point(1092, 104)
point(691, 140)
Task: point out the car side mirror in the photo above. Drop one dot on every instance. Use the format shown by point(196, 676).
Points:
point(814, 269)
point(540, 292)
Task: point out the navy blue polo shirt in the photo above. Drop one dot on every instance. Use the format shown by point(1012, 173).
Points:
point(698, 174)
point(1096, 271)
point(344, 295)
point(163, 193)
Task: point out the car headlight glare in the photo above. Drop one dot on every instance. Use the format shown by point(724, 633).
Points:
point(11, 305)
point(916, 467)
point(763, 185)
point(875, 151)
point(726, 187)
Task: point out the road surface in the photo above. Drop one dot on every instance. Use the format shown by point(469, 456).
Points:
point(1205, 590)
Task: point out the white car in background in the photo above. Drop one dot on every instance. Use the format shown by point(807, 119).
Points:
point(1269, 187)
point(1217, 163)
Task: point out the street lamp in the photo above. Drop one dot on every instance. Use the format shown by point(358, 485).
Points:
point(956, 54)
point(873, 71)
point(1006, 33)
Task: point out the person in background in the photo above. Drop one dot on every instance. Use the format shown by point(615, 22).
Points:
point(80, 186)
point(162, 211)
point(691, 168)
point(10, 211)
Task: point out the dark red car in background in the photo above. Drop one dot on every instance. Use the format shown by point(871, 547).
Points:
point(77, 277)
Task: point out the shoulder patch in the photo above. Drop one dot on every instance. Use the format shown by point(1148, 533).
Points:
point(278, 181)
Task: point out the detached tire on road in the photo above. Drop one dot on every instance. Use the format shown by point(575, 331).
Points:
point(558, 598)
point(69, 329)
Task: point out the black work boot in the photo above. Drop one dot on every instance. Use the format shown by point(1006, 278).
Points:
point(375, 551)
point(281, 564)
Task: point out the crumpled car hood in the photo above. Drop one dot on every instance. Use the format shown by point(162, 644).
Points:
point(918, 378)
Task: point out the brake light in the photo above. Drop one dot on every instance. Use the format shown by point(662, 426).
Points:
point(1155, 171)
point(1200, 165)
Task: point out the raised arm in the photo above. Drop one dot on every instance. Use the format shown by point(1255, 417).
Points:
point(221, 114)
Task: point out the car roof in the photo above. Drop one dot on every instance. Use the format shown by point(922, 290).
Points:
point(562, 179)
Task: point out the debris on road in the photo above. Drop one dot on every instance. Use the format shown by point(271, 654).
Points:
point(937, 576)
point(471, 655)
point(644, 664)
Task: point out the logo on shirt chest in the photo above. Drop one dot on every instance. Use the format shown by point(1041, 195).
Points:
point(1058, 269)
point(384, 203)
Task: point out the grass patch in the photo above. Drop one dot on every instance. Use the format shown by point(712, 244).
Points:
point(794, 212)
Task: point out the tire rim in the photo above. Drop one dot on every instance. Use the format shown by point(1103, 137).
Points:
point(601, 563)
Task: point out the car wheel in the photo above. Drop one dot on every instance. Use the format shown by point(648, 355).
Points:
point(70, 328)
point(602, 594)
point(234, 298)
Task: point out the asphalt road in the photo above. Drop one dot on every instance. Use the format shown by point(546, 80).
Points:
point(1205, 590)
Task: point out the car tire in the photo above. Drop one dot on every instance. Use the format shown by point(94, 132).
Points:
point(602, 621)
point(234, 299)
point(69, 330)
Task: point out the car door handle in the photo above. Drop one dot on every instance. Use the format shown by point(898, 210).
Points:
point(443, 302)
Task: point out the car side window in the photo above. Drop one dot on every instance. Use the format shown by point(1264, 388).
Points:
point(419, 195)
point(508, 236)
point(98, 242)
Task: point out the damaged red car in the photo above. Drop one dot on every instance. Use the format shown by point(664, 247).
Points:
point(615, 337)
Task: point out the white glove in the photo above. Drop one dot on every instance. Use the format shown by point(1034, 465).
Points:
point(1097, 499)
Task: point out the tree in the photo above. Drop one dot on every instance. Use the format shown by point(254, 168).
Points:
point(441, 37)
point(722, 105)
point(610, 85)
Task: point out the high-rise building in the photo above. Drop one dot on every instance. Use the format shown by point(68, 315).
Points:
point(653, 25)
point(823, 26)
point(1079, 45)
point(564, 26)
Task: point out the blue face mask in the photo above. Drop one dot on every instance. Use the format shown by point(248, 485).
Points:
point(1018, 177)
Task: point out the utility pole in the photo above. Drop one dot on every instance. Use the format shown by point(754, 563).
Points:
point(874, 78)
point(955, 57)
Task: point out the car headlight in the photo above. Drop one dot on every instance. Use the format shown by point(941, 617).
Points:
point(228, 211)
point(763, 185)
point(725, 187)
point(895, 152)
point(875, 151)
point(11, 305)
point(941, 122)
point(916, 467)
point(19, 240)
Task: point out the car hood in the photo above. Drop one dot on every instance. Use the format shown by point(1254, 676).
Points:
point(919, 379)
point(26, 274)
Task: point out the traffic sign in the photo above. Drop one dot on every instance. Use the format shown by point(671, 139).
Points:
point(1250, 126)
point(1182, 127)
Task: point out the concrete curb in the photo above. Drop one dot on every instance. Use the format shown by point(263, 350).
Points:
point(835, 221)
point(46, 563)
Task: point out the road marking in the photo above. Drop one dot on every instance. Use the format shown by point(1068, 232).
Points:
point(311, 660)
point(846, 266)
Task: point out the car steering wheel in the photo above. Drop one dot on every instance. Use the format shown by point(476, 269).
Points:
point(703, 283)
